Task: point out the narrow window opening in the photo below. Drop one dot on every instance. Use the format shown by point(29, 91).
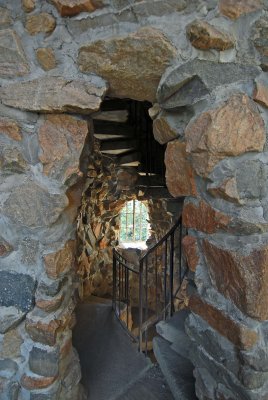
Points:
point(134, 225)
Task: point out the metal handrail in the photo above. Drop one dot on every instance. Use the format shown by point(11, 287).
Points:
point(163, 276)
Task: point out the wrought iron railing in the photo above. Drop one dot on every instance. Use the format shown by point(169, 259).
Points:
point(159, 275)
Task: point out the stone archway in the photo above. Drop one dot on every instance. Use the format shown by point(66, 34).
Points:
point(226, 213)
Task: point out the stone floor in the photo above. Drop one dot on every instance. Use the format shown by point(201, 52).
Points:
point(112, 368)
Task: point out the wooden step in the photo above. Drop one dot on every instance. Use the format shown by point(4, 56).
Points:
point(118, 146)
point(111, 116)
point(154, 180)
point(129, 160)
point(154, 193)
point(105, 137)
point(113, 128)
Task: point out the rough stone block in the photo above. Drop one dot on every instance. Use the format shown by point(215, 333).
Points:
point(17, 290)
point(10, 128)
point(33, 206)
point(232, 129)
point(28, 5)
point(191, 251)
point(132, 64)
point(186, 84)
point(54, 95)
point(205, 36)
point(46, 58)
point(239, 334)
point(5, 247)
point(68, 8)
point(61, 139)
point(243, 278)
point(43, 362)
point(261, 93)
point(61, 261)
point(259, 37)
point(204, 218)
point(12, 58)
point(179, 173)
point(40, 23)
point(236, 8)
point(5, 18)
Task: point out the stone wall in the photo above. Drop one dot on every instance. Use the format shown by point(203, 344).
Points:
point(205, 64)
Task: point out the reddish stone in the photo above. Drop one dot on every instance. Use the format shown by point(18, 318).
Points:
point(62, 138)
point(190, 248)
point(261, 94)
point(36, 382)
point(241, 278)
point(229, 130)
point(204, 218)
point(68, 8)
point(48, 332)
point(49, 304)
point(60, 262)
point(164, 128)
point(235, 8)
point(10, 128)
point(45, 333)
point(5, 248)
point(205, 36)
point(234, 331)
point(179, 173)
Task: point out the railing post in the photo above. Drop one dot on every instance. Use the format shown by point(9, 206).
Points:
point(171, 271)
point(114, 280)
point(140, 304)
point(180, 260)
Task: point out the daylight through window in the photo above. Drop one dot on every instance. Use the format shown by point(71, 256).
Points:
point(134, 226)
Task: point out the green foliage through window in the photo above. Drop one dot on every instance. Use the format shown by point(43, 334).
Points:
point(134, 222)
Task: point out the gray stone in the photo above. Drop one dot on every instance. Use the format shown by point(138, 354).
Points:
point(54, 95)
point(17, 290)
point(9, 389)
point(9, 318)
point(29, 250)
point(202, 360)
point(204, 384)
point(5, 18)
point(12, 161)
point(51, 287)
point(44, 363)
point(33, 206)
point(12, 58)
point(8, 368)
point(260, 40)
point(73, 372)
point(251, 378)
point(190, 82)
point(215, 344)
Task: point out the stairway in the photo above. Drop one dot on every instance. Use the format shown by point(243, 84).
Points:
point(124, 130)
point(171, 349)
point(112, 367)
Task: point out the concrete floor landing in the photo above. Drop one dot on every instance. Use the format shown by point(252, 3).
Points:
point(112, 367)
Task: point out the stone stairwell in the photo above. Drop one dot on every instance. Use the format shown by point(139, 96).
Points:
point(171, 349)
point(121, 132)
point(112, 367)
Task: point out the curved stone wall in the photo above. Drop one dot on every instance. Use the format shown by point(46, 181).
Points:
point(205, 64)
